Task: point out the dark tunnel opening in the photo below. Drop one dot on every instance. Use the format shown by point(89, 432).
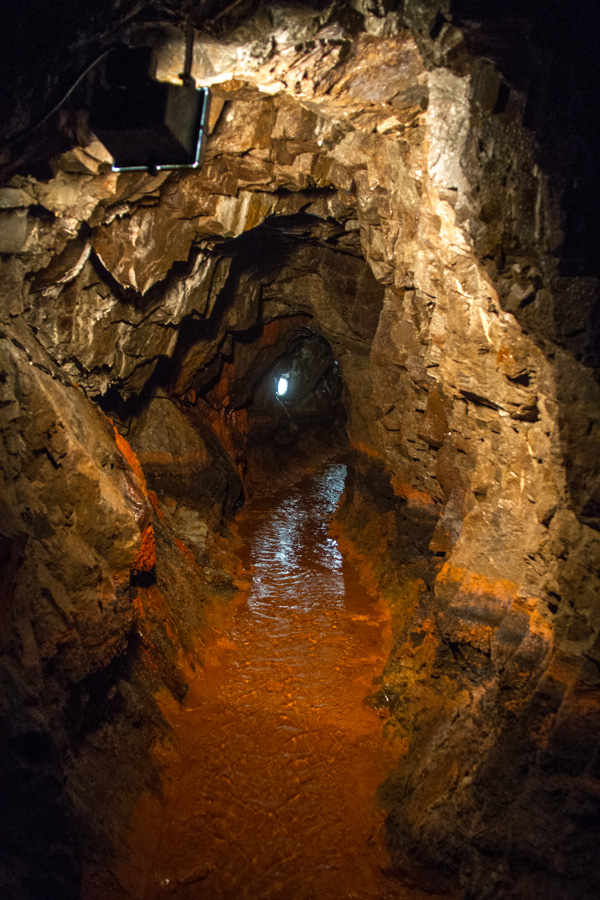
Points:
point(223, 372)
point(299, 492)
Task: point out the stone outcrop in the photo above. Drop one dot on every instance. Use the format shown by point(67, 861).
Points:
point(373, 185)
point(178, 463)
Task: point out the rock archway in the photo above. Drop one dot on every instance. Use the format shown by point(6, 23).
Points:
point(373, 187)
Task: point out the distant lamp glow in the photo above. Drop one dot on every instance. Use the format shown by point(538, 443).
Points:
point(282, 385)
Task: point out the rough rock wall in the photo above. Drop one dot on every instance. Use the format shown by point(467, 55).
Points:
point(72, 516)
point(466, 360)
point(91, 623)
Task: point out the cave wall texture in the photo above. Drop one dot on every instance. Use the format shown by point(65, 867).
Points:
point(414, 183)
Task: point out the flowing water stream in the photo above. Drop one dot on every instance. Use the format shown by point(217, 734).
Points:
point(269, 786)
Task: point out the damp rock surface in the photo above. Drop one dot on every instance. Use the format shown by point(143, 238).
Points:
point(414, 186)
point(257, 800)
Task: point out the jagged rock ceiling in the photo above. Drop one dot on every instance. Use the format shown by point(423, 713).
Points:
point(371, 174)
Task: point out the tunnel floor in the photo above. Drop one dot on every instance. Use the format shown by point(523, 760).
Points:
point(269, 783)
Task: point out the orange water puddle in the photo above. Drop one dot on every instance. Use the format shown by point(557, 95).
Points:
point(269, 781)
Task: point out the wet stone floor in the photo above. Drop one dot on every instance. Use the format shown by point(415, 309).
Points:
point(269, 782)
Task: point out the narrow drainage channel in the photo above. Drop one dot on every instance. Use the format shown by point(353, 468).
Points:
point(269, 787)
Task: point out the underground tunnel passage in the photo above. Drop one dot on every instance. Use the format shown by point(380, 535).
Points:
point(300, 483)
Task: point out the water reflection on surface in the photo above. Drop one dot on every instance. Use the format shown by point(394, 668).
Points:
point(290, 549)
point(269, 788)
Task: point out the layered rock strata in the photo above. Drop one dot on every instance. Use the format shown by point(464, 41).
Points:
point(372, 184)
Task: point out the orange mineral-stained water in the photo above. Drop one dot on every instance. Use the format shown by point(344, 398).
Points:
point(269, 780)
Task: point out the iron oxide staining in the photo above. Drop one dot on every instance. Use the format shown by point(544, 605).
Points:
point(270, 777)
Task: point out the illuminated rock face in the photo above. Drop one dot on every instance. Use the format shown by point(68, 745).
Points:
point(371, 180)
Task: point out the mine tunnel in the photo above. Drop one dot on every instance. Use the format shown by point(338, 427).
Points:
point(299, 510)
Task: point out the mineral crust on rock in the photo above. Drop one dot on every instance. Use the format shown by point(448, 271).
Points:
point(386, 186)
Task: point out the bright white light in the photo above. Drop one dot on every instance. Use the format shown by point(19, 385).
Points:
point(282, 386)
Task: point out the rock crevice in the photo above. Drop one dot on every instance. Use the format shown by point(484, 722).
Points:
point(385, 215)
